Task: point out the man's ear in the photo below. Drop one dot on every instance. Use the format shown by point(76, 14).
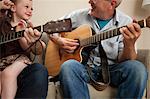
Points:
point(114, 3)
point(13, 8)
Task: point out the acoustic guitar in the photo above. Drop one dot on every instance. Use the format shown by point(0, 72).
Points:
point(55, 56)
point(50, 28)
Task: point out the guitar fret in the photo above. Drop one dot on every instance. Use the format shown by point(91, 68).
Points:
point(84, 42)
point(15, 35)
point(97, 38)
point(94, 39)
point(107, 34)
point(89, 41)
point(118, 32)
point(111, 33)
point(8, 37)
point(4, 38)
point(115, 33)
point(1, 38)
point(12, 35)
point(103, 36)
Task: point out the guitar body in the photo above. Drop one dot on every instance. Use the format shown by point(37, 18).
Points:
point(56, 56)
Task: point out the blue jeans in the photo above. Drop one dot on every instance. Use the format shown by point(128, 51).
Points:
point(33, 82)
point(130, 77)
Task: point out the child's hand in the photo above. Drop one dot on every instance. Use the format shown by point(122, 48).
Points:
point(30, 34)
point(6, 4)
point(30, 37)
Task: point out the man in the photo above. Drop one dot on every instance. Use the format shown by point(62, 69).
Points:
point(126, 73)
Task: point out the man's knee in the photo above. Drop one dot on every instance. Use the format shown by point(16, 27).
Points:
point(136, 68)
point(134, 64)
point(35, 79)
point(70, 67)
point(39, 71)
point(69, 64)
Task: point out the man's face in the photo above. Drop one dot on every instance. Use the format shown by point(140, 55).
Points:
point(99, 7)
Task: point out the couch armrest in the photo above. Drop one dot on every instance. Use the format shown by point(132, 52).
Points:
point(144, 57)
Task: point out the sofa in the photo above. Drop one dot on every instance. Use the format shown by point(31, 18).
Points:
point(54, 91)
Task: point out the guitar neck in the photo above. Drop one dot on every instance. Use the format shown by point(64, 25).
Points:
point(50, 28)
point(105, 35)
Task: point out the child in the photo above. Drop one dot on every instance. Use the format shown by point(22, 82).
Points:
point(16, 51)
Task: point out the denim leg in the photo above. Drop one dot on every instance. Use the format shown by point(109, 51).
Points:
point(73, 79)
point(130, 77)
point(33, 82)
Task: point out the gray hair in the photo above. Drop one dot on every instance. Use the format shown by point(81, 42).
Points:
point(118, 3)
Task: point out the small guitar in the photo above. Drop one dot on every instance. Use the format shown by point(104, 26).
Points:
point(55, 57)
point(50, 27)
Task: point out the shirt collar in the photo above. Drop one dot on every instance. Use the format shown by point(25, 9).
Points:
point(115, 18)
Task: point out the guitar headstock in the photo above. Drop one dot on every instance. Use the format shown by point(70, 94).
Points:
point(145, 22)
point(148, 22)
point(58, 26)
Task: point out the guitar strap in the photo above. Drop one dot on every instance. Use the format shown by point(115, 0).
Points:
point(105, 71)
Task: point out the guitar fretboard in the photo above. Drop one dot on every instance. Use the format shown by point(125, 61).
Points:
point(105, 35)
point(8, 37)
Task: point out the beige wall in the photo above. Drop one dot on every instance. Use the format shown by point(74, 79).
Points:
point(46, 10)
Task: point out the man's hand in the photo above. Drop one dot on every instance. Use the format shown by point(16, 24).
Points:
point(69, 45)
point(130, 33)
